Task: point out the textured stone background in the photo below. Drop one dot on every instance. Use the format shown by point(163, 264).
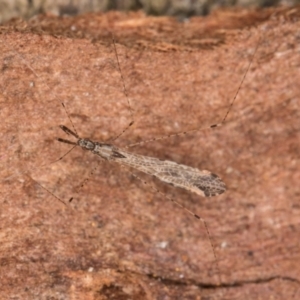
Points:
point(180, 8)
point(118, 239)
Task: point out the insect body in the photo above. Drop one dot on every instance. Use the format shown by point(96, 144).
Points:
point(203, 183)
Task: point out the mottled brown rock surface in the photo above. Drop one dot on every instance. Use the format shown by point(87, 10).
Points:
point(179, 8)
point(118, 239)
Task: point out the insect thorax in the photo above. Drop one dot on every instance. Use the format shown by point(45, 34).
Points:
point(106, 151)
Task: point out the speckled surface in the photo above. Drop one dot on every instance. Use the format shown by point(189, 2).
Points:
point(118, 239)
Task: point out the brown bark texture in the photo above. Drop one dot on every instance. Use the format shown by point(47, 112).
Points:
point(118, 238)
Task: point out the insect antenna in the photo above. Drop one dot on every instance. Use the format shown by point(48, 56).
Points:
point(69, 132)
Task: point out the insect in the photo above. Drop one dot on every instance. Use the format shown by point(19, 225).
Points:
point(203, 183)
